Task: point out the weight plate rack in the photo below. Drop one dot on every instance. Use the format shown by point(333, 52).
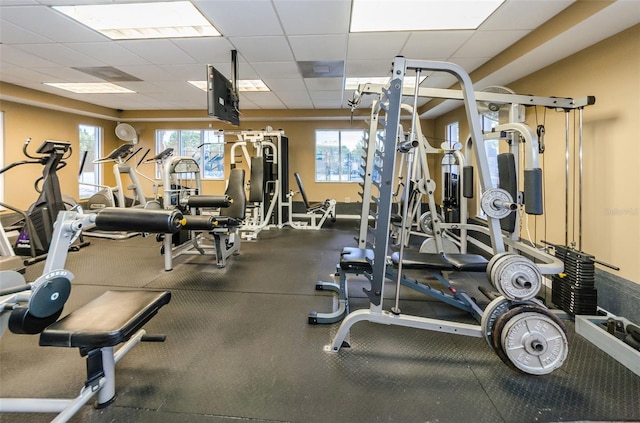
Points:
point(574, 290)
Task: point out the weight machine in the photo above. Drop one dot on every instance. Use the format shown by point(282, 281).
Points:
point(183, 190)
point(266, 167)
point(114, 318)
point(36, 226)
point(523, 332)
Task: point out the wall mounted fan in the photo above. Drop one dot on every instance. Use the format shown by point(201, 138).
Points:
point(127, 133)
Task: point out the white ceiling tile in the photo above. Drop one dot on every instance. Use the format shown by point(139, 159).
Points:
point(375, 46)
point(159, 51)
point(191, 72)
point(206, 50)
point(358, 68)
point(37, 43)
point(324, 84)
point(326, 95)
point(295, 99)
point(524, 14)
point(469, 64)
point(148, 72)
point(60, 55)
point(62, 74)
point(18, 57)
point(265, 100)
point(50, 24)
point(282, 85)
point(20, 75)
point(314, 16)
point(318, 47)
point(15, 34)
point(432, 45)
point(488, 43)
point(244, 18)
point(109, 53)
point(263, 49)
point(277, 70)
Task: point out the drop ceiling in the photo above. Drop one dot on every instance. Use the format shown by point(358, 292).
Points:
point(40, 45)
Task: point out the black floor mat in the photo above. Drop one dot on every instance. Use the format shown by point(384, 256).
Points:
point(239, 349)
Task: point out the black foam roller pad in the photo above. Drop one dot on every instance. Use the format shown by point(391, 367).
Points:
point(199, 223)
point(22, 322)
point(533, 191)
point(138, 220)
point(220, 200)
point(467, 175)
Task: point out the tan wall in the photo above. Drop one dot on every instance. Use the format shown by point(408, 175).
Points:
point(301, 152)
point(24, 121)
point(611, 203)
point(609, 71)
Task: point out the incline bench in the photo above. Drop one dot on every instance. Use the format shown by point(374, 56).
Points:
point(358, 261)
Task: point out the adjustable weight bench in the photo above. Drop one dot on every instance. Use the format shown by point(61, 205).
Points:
point(115, 318)
point(358, 261)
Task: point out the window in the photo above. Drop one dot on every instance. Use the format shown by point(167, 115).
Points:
point(450, 169)
point(206, 146)
point(489, 121)
point(339, 155)
point(90, 140)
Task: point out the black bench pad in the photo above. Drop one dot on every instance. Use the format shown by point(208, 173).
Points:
point(430, 261)
point(417, 260)
point(467, 262)
point(356, 259)
point(109, 320)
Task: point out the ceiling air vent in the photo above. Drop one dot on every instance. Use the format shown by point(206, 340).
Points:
point(322, 69)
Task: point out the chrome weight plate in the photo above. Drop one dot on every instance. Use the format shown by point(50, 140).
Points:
point(516, 277)
point(495, 309)
point(497, 203)
point(532, 340)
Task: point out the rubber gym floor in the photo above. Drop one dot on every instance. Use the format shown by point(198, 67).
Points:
point(239, 348)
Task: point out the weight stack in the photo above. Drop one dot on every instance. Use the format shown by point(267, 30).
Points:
point(574, 290)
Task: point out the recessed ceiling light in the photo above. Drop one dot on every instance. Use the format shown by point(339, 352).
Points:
point(252, 85)
point(90, 88)
point(244, 85)
point(419, 15)
point(143, 20)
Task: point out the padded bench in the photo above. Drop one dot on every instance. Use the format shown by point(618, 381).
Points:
point(441, 262)
point(108, 320)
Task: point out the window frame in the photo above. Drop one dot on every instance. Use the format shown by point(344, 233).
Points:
point(352, 174)
point(86, 191)
point(206, 143)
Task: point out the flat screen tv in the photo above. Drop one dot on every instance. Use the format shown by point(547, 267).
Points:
point(222, 101)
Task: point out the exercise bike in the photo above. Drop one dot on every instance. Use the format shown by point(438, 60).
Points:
point(36, 224)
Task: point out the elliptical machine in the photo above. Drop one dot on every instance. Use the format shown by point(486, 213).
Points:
point(36, 224)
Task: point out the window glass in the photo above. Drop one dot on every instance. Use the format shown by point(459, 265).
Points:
point(205, 146)
point(339, 155)
point(90, 142)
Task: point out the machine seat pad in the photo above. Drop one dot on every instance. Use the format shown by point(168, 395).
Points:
point(467, 262)
point(416, 260)
point(108, 320)
point(356, 259)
